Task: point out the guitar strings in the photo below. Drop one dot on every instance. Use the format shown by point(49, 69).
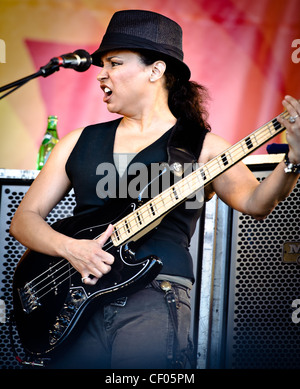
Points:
point(236, 153)
point(69, 270)
point(44, 272)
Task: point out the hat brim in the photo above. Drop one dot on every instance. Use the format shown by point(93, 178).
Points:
point(172, 58)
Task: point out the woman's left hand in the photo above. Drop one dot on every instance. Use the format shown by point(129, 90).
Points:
point(292, 128)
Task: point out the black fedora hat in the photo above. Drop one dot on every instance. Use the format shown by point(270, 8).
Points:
point(144, 30)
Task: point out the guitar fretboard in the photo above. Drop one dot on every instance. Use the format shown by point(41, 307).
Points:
point(160, 205)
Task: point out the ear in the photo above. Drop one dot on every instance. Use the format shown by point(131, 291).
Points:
point(158, 70)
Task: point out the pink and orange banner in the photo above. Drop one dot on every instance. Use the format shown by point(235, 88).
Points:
point(247, 53)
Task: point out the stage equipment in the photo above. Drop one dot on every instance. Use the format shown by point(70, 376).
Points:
point(250, 278)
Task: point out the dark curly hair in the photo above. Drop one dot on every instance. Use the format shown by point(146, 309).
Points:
point(187, 99)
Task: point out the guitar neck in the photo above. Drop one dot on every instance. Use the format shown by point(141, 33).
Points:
point(146, 215)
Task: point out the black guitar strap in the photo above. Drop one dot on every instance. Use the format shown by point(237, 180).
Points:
point(184, 145)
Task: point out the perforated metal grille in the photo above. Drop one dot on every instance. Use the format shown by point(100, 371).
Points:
point(261, 332)
point(10, 253)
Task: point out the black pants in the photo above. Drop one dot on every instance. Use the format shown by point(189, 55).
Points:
point(139, 335)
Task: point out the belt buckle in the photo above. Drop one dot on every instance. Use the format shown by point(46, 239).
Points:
point(165, 286)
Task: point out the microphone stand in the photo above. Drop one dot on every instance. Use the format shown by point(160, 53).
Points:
point(44, 71)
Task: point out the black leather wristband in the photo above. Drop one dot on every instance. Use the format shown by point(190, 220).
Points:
point(291, 167)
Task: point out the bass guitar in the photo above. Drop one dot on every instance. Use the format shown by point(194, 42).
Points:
point(49, 299)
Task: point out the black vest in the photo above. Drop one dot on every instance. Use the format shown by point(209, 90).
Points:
point(91, 164)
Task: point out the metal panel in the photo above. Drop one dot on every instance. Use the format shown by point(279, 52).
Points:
point(261, 332)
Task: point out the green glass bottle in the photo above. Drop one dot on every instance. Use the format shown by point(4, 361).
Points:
point(49, 141)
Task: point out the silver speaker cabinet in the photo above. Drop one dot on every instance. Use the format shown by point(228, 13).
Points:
point(13, 186)
point(251, 289)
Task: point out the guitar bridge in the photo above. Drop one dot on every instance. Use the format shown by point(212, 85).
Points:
point(29, 299)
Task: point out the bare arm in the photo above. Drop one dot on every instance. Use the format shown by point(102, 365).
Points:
point(29, 226)
point(52, 183)
point(238, 187)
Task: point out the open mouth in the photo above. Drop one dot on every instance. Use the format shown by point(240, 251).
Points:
point(107, 93)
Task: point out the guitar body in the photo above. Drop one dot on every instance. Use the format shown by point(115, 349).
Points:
point(50, 301)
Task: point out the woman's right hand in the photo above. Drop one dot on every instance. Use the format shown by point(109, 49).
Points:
point(88, 257)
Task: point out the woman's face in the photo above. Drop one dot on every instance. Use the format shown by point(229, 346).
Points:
point(124, 80)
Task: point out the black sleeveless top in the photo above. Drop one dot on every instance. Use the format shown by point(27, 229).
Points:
point(95, 179)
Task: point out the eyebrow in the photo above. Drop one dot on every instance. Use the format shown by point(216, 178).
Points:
point(108, 59)
point(111, 57)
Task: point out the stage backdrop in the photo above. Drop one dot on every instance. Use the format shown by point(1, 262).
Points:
point(245, 52)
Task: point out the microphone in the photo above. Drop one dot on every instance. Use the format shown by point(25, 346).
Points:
point(80, 60)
